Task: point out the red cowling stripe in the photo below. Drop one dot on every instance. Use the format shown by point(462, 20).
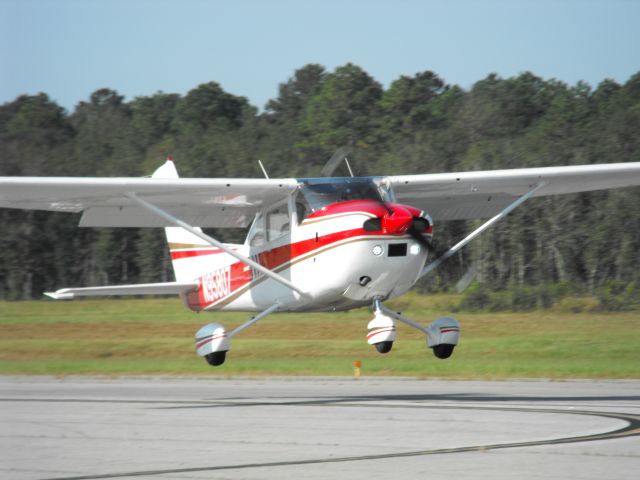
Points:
point(373, 207)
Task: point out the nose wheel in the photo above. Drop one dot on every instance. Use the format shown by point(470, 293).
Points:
point(381, 331)
point(216, 359)
point(442, 335)
point(383, 347)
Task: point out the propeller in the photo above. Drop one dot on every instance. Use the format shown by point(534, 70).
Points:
point(418, 237)
point(466, 279)
point(415, 229)
point(330, 167)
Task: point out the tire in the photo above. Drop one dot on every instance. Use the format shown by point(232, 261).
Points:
point(216, 359)
point(383, 347)
point(444, 350)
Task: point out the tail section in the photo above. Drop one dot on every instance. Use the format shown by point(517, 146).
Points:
point(180, 241)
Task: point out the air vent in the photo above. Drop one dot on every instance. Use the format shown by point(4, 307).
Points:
point(397, 249)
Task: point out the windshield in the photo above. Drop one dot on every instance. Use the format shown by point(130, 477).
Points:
point(318, 195)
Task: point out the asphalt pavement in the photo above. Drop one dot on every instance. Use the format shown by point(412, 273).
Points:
point(317, 428)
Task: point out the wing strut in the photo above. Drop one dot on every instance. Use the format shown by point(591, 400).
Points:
point(437, 262)
point(212, 241)
point(253, 320)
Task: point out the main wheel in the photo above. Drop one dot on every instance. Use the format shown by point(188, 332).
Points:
point(216, 359)
point(383, 347)
point(444, 350)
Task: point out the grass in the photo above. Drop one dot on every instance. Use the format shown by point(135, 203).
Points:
point(155, 336)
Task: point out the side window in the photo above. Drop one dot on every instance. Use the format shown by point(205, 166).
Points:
point(277, 222)
point(257, 233)
point(302, 207)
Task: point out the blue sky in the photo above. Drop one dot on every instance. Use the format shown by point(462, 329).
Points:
point(70, 48)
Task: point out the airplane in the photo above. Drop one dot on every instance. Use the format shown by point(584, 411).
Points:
point(313, 245)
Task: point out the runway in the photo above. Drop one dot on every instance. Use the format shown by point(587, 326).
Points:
point(89, 428)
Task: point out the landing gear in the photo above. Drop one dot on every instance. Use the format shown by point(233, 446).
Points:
point(213, 342)
point(442, 335)
point(216, 359)
point(381, 331)
point(383, 347)
point(442, 351)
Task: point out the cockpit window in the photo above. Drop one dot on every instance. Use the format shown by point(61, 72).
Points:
point(277, 221)
point(317, 195)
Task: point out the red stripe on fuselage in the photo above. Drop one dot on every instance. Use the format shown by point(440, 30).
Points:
point(178, 254)
point(280, 255)
point(272, 259)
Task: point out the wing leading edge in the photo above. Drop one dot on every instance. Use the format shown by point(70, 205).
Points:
point(216, 202)
point(482, 194)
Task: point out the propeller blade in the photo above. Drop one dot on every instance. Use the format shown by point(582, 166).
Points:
point(466, 279)
point(418, 237)
point(334, 161)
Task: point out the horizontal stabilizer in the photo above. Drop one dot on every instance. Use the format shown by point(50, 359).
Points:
point(169, 288)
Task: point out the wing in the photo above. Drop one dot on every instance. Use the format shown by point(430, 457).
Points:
point(467, 195)
point(216, 202)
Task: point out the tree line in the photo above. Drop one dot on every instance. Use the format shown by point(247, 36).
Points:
point(419, 124)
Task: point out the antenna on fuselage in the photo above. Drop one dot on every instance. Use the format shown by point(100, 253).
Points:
point(266, 175)
point(346, 160)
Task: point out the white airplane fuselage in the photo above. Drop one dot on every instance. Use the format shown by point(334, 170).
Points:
point(329, 255)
